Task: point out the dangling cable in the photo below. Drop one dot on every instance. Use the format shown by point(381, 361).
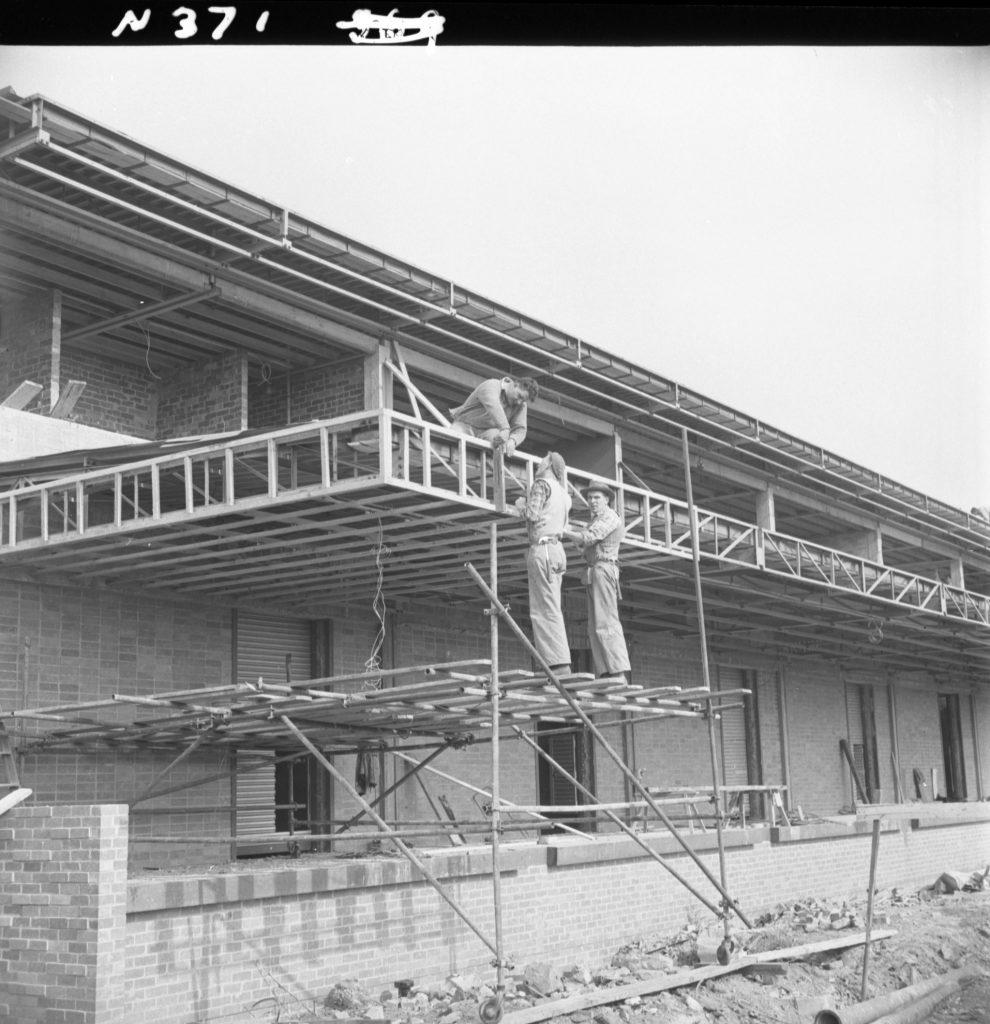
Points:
point(147, 351)
point(374, 662)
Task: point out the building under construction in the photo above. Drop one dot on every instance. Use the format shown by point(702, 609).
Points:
point(259, 600)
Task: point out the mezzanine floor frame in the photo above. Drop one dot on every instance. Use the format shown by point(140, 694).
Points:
point(322, 514)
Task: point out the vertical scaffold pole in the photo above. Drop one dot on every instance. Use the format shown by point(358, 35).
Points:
point(570, 700)
point(725, 950)
point(491, 1010)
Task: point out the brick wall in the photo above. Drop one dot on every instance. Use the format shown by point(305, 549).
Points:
point(321, 392)
point(816, 721)
point(919, 735)
point(771, 740)
point(326, 392)
point(61, 645)
point(981, 780)
point(205, 398)
point(63, 898)
point(30, 333)
point(198, 948)
point(80, 944)
point(118, 396)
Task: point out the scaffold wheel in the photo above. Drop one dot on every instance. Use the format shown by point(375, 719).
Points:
point(490, 1011)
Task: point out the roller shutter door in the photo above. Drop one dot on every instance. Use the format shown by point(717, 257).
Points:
point(263, 643)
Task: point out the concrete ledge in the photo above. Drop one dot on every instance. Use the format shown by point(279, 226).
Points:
point(174, 892)
point(928, 814)
point(979, 815)
point(849, 828)
point(566, 853)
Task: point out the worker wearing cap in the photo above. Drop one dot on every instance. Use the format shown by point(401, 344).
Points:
point(496, 411)
point(545, 509)
point(599, 542)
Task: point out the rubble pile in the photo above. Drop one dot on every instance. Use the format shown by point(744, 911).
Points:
point(936, 931)
point(458, 997)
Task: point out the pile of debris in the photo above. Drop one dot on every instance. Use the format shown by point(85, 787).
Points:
point(776, 971)
point(457, 998)
point(961, 881)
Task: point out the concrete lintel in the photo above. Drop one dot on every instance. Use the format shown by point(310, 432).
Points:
point(866, 543)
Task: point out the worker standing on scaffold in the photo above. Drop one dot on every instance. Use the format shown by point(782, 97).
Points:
point(545, 509)
point(599, 543)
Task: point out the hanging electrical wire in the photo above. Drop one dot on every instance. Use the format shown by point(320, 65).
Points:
point(147, 351)
point(374, 662)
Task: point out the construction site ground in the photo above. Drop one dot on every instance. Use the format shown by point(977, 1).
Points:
point(933, 933)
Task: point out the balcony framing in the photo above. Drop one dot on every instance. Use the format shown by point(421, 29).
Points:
point(292, 517)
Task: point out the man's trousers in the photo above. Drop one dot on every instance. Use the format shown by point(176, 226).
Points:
point(545, 565)
point(608, 642)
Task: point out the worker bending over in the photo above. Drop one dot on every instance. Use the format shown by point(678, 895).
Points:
point(496, 411)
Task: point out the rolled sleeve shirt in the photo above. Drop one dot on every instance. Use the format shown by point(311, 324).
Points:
point(545, 510)
point(488, 408)
point(600, 540)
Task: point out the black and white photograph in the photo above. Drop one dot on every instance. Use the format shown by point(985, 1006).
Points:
point(494, 514)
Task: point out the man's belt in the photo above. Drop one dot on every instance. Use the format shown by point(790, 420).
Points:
point(548, 540)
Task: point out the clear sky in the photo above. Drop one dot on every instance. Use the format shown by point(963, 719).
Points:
point(799, 232)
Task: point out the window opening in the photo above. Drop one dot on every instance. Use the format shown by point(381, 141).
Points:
point(572, 747)
point(950, 720)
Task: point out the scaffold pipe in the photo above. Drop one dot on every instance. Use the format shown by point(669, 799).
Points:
point(726, 949)
point(491, 1010)
point(606, 746)
point(384, 827)
point(616, 820)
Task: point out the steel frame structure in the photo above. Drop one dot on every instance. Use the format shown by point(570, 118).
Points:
point(131, 236)
point(265, 517)
point(235, 263)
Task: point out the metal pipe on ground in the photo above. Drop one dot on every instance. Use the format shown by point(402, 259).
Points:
point(919, 1012)
point(886, 1008)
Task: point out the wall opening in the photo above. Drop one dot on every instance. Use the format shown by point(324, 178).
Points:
point(950, 720)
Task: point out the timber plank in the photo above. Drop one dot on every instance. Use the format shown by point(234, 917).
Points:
point(663, 983)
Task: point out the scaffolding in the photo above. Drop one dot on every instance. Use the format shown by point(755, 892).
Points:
point(398, 712)
point(217, 518)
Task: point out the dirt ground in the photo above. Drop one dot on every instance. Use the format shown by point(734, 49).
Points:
point(935, 933)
